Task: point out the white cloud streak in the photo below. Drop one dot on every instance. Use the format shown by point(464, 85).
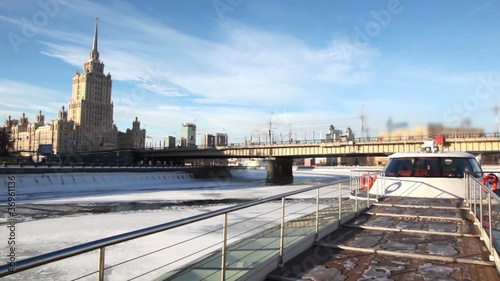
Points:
point(233, 80)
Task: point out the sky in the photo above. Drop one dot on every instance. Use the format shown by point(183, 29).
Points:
point(242, 67)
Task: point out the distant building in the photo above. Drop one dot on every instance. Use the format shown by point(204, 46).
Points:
point(29, 136)
point(188, 135)
point(169, 142)
point(339, 135)
point(87, 125)
point(348, 135)
point(221, 139)
point(210, 140)
point(90, 105)
point(333, 134)
point(132, 138)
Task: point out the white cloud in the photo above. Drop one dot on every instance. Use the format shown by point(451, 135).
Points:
point(30, 99)
point(236, 75)
point(248, 67)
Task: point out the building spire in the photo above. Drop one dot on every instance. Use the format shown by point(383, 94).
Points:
point(94, 54)
point(95, 34)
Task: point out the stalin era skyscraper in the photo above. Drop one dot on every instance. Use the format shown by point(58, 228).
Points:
point(90, 105)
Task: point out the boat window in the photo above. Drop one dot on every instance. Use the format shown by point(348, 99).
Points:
point(476, 169)
point(427, 167)
point(455, 167)
point(432, 167)
point(399, 167)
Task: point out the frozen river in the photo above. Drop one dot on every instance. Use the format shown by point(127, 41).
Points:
point(55, 211)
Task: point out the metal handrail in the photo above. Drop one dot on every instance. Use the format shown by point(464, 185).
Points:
point(412, 138)
point(101, 244)
point(475, 195)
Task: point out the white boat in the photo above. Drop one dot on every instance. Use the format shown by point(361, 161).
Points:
point(425, 175)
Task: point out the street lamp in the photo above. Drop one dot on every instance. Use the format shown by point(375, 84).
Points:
point(151, 143)
point(146, 152)
point(271, 128)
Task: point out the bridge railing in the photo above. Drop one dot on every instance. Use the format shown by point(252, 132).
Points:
point(133, 255)
point(415, 138)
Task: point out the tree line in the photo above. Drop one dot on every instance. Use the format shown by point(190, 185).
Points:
point(6, 143)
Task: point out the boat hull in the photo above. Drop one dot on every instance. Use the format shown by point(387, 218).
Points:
point(419, 187)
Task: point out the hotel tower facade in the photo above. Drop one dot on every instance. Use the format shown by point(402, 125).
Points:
point(87, 124)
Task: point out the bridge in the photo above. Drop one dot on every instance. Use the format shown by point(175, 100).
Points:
point(280, 155)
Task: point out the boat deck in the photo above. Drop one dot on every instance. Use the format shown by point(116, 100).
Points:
point(398, 239)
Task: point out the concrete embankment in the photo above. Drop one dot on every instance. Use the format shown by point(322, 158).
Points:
point(201, 172)
point(50, 182)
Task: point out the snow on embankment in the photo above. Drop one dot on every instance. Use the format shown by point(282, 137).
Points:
point(45, 185)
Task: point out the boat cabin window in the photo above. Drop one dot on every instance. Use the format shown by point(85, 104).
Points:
point(432, 167)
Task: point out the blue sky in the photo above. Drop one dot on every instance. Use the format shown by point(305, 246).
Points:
point(233, 65)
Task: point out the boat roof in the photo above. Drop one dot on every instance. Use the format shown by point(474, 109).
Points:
point(447, 154)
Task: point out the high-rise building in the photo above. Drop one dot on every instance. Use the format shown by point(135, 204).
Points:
point(210, 140)
point(87, 125)
point(169, 142)
point(90, 105)
point(188, 135)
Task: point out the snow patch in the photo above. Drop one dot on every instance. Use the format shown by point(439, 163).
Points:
point(440, 249)
point(321, 273)
point(432, 272)
point(380, 273)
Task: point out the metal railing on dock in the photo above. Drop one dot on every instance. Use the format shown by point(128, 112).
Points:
point(233, 241)
point(484, 204)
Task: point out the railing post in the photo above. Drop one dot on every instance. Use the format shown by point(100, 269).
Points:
point(469, 187)
point(481, 208)
point(340, 203)
point(466, 187)
point(317, 214)
point(100, 264)
point(356, 189)
point(282, 233)
point(490, 226)
point(474, 196)
point(224, 248)
point(368, 193)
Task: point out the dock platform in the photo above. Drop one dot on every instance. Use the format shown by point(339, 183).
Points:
point(398, 239)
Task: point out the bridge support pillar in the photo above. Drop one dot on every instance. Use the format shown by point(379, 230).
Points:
point(279, 170)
